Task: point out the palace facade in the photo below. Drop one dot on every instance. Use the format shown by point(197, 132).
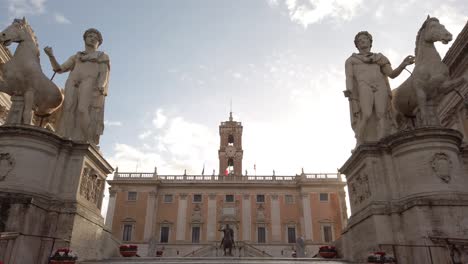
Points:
point(183, 213)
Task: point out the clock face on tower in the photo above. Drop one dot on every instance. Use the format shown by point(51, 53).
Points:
point(230, 151)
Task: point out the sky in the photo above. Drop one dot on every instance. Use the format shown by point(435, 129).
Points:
point(177, 65)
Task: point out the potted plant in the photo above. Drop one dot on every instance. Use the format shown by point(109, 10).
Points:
point(327, 251)
point(380, 257)
point(128, 250)
point(63, 256)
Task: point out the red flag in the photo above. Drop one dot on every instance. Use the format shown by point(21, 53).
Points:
point(226, 172)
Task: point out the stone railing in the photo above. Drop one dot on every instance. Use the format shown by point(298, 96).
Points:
point(217, 178)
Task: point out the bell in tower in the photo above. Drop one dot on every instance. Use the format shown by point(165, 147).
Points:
point(230, 150)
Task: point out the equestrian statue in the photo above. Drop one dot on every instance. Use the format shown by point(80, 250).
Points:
point(227, 243)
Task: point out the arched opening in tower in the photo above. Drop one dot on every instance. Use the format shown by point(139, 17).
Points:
point(231, 140)
point(230, 166)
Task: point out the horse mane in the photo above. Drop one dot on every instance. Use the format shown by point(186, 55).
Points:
point(30, 31)
point(418, 36)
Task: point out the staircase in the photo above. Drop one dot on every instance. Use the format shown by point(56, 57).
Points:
point(216, 260)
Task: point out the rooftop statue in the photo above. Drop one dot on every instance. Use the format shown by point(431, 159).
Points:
point(22, 75)
point(368, 90)
point(85, 89)
point(419, 95)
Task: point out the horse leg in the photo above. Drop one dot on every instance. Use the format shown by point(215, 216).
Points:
point(28, 106)
point(421, 98)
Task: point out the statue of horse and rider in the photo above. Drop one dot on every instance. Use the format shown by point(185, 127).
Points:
point(22, 75)
point(376, 110)
point(227, 243)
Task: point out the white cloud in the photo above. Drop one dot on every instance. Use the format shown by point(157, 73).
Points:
point(61, 19)
point(237, 75)
point(173, 144)
point(145, 134)
point(273, 3)
point(160, 119)
point(306, 12)
point(19, 8)
point(112, 123)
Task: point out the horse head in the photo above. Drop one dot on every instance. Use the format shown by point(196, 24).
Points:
point(434, 31)
point(16, 32)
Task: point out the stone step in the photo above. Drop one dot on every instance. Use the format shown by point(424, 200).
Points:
point(216, 260)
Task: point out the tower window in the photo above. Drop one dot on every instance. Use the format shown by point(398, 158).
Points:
point(231, 140)
point(230, 168)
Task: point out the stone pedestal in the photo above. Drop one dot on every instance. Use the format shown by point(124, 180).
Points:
point(15, 115)
point(50, 196)
point(405, 191)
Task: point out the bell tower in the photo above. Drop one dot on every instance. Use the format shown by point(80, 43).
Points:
point(230, 150)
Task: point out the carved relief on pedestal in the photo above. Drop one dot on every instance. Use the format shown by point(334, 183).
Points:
point(359, 188)
point(7, 163)
point(442, 166)
point(92, 186)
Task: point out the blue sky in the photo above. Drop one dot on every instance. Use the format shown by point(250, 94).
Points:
point(177, 64)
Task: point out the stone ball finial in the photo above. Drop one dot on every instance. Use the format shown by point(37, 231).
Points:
point(93, 30)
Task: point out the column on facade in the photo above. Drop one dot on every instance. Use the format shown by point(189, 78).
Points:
point(307, 216)
point(110, 209)
point(150, 215)
point(275, 219)
point(246, 218)
point(211, 218)
point(181, 217)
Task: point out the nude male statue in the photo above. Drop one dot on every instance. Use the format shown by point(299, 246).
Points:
point(85, 89)
point(368, 89)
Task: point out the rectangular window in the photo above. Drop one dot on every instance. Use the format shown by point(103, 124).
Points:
point(327, 233)
point(229, 198)
point(127, 232)
point(260, 198)
point(197, 198)
point(324, 197)
point(168, 198)
point(132, 196)
point(291, 235)
point(261, 233)
point(164, 234)
point(289, 199)
point(195, 234)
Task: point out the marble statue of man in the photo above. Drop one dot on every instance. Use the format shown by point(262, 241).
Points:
point(85, 89)
point(368, 89)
